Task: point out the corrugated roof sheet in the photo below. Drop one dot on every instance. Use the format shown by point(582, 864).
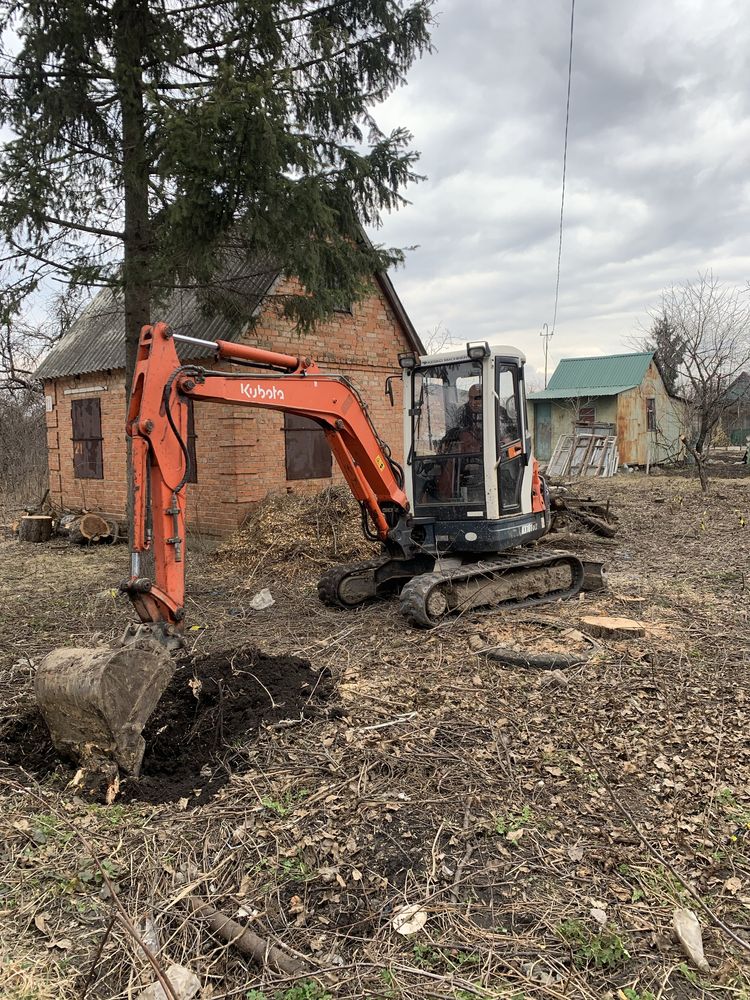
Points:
point(96, 341)
point(599, 376)
point(740, 388)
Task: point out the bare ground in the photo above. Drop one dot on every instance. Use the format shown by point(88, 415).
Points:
point(507, 804)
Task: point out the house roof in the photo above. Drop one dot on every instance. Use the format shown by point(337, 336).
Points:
point(96, 341)
point(739, 390)
point(599, 376)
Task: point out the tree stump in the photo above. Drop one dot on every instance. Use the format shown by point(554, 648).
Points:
point(605, 627)
point(35, 528)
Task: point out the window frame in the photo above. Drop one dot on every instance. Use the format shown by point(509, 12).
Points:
point(324, 468)
point(651, 413)
point(83, 469)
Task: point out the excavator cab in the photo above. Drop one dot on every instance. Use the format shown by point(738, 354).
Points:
point(470, 475)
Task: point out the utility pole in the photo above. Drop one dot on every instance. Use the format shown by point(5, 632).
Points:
point(546, 337)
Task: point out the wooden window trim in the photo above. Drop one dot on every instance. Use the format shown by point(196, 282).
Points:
point(651, 414)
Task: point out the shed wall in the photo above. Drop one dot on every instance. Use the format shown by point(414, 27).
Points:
point(639, 445)
point(563, 415)
point(240, 451)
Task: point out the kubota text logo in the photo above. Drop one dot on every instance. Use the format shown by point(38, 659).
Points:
point(259, 391)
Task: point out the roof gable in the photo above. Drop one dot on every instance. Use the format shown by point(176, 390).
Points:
point(607, 375)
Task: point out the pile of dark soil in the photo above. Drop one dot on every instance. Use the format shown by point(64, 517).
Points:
point(211, 704)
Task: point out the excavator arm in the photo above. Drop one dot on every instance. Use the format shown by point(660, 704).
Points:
point(157, 425)
point(96, 701)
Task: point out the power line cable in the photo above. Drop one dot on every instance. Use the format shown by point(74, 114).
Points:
point(565, 164)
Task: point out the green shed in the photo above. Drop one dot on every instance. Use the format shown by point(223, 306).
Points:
point(623, 395)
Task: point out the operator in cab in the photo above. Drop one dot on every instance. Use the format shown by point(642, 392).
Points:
point(462, 478)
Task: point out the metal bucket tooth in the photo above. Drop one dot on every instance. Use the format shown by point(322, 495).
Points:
point(96, 701)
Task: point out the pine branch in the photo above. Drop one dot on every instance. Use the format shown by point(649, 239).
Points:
point(69, 224)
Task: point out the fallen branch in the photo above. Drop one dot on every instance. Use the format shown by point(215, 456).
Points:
point(122, 916)
point(539, 661)
point(244, 940)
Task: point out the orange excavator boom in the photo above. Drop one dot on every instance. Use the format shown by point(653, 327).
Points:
point(157, 425)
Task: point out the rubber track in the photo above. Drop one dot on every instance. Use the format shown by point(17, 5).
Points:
point(330, 583)
point(416, 592)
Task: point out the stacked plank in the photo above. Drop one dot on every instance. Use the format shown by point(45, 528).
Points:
point(585, 455)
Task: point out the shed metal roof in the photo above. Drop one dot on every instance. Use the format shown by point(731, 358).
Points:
point(96, 341)
point(739, 390)
point(598, 376)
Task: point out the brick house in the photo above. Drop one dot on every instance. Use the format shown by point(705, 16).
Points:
point(240, 454)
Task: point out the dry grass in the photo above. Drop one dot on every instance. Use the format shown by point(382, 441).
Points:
point(478, 792)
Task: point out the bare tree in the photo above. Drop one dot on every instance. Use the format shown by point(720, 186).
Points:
point(438, 339)
point(23, 342)
point(712, 322)
point(23, 448)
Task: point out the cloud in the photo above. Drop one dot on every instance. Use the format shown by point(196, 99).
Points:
point(658, 182)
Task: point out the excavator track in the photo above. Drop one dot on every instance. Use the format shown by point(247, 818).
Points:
point(349, 585)
point(506, 581)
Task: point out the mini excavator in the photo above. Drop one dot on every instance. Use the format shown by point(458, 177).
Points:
point(452, 522)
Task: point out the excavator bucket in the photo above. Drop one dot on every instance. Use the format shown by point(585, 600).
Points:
point(96, 701)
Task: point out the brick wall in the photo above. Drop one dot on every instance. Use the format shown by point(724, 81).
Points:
point(240, 451)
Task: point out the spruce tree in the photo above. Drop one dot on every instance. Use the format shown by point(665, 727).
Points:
point(665, 339)
point(149, 140)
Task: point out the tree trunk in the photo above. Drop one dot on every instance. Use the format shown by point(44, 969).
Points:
point(700, 462)
point(89, 528)
point(131, 18)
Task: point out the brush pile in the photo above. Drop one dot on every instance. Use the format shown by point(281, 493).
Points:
point(302, 530)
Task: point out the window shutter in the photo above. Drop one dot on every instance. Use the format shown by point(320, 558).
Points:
point(86, 417)
point(307, 453)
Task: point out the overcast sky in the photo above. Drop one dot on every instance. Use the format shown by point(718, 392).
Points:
point(658, 180)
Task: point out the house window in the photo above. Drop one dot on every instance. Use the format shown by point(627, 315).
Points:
point(307, 453)
point(86, 417)
point(587, 414)
point(650, 414)
point(193, 472)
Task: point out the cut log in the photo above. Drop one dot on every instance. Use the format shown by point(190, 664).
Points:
point(35, 528)
point(596, 524)
point(89, 528)
point(605, 627)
